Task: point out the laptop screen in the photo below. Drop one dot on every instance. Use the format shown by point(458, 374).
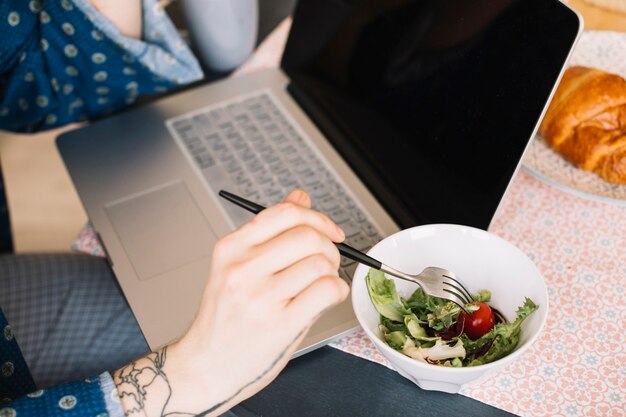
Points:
point(432, 102)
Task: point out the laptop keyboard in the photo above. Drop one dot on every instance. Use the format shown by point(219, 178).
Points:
point(251, 148)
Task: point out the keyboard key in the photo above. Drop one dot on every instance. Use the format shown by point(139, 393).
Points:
point(310, 179)
point(240, 177)
point(350, 270)
point(239, 143)
point(212, 138)
point(227, 127)
point(338, 215)
point(248, 156)
point(233, 166)
point(248, 188)
point(328, 203)
point(256, 139)
point(295, 160)
point(194, 144)
point(224, 155)
point(317, 190)
point(204, 160)
point(204, 123)
point(377, 238)
point(181, 125)
point(344, 275)
point(217, 145)
point(287, 180)
point(346, 262)
point(280, 140)
point(303, 170)
point(358, 215)
point(262, 146)
point(253, 196)
point(271, 189)
point(271, 129)
point(263, 176)
point(346, 201)
point(254, 166)
point(270, 158)
point(350, 228)
point(370, 230)
point(278, 168)
point(360, 242)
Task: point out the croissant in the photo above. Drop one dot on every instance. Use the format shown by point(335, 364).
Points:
point(586, 122)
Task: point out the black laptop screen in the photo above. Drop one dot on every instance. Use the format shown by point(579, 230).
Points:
point(432, 102)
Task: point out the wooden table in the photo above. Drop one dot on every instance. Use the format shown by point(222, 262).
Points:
point(597, 18)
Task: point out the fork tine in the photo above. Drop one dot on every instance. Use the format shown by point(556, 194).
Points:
point(461, 288)
point(456, 291)
point(455, 299)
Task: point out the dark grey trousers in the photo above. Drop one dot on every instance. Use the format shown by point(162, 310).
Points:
point(68, 316)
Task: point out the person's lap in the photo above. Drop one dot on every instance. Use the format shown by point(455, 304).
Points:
point(68, 316)
point(329, 382)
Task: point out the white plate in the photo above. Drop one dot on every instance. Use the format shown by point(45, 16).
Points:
point(599, 49)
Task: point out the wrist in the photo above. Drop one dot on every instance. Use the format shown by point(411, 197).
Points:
point(168, 381)
point(194, 388)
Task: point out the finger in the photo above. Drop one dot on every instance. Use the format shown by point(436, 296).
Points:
point(290, 248)
point(278, 219)
point(293, 280)
point(299, 197)
point(321, 295)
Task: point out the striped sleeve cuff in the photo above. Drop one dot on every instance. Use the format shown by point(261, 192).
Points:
point(111, 397)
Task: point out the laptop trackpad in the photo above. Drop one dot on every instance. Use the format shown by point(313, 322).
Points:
point(161, 229)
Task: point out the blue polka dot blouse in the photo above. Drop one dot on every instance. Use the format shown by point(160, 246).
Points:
point(61, 61)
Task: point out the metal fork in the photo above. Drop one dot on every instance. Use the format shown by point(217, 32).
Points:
point(437, 282)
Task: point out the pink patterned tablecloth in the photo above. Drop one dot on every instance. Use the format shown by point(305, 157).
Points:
point(578, 365)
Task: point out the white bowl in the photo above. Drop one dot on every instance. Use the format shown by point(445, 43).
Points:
point(482, 261)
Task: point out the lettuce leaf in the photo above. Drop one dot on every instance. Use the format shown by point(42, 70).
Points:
point(384, 296)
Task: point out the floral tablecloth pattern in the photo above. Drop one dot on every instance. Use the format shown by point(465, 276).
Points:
point(578, 365)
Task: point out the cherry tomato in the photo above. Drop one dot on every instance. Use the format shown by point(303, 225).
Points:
point(479, 323)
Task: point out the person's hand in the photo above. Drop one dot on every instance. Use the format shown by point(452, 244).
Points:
point(269, 281)
point(126, 15)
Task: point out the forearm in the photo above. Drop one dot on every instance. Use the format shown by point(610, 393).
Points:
point(176, 381)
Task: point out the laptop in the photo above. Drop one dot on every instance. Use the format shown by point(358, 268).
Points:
point(390, 114)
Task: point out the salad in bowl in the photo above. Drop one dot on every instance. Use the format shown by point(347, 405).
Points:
point(428, 340)
point(438, 332)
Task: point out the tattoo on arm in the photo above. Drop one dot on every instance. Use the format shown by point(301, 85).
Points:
point(135, 381)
